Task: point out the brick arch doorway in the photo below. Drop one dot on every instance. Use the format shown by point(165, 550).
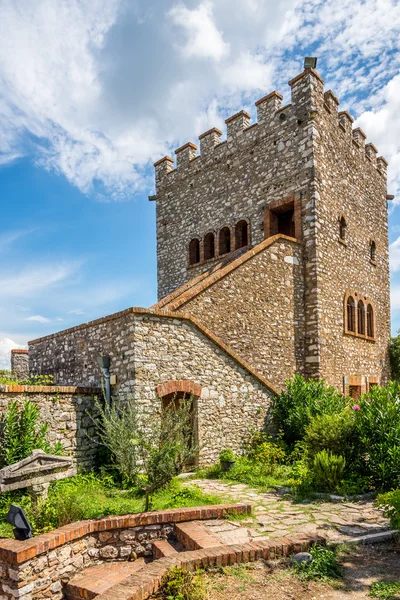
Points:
point(183, 390)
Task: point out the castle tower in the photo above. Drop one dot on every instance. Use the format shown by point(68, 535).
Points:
point(300, 173)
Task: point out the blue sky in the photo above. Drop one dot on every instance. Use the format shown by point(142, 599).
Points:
point(92, 92)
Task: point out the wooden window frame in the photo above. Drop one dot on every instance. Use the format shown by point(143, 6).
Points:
point(367, 302)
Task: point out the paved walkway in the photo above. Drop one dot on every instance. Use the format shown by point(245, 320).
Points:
point(276, 517)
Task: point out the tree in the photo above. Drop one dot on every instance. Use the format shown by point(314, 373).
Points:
point(394, 354)
point(149, 450)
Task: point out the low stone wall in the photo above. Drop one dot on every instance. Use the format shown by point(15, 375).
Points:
point(33, 569)
point(69, 411)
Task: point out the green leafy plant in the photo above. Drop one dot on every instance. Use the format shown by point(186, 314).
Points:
point(327, 470)
point(227, 455)
point(324, 565)
point(386, 590)
point(149, 452)
point(21, 432)
point(332, 432)
point(300, 402)
point(180, 584)
point(390, 502)
point(394, 355)
point(39, 380)
point(377, 421)
point(261, 448)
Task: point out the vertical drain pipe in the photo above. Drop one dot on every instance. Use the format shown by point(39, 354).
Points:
point(104, 362)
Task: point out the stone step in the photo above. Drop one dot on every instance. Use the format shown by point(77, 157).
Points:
point(98, 579)
point(162, 548)
point(193, 536)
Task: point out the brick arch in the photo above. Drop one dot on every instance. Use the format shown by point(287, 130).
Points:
point(179, 385)
point(366, 301)
point(237, 237)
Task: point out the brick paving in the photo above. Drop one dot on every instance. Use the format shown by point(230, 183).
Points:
point(275, 516)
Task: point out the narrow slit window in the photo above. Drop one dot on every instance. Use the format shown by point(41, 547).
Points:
point(351, 314)
point(342, 228)
point(370, 321)
point(361, 317)
point(209, 246)
point(194, 252)
point(224, 241)
point(241, 235)
point(373, 251)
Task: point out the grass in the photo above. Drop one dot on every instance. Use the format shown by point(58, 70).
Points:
point(324, 566)
point(249, 472)
point(386, 590)
point(91, 496)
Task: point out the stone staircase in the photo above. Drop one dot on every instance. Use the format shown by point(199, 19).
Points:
point(193, 547)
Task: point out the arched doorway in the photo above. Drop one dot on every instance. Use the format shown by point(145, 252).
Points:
point(183, 390)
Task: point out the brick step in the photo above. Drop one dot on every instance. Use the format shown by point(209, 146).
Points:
point(194, 536)
point(98, 579)
point(162, 549)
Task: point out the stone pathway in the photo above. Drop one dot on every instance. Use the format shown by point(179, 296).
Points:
point(277, 517)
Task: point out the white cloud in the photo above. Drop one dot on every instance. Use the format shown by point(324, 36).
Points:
point(98, 89)
point(203, 38)
point(6, 345)
point(33, 280)
point(38, 318)
point(394, 255)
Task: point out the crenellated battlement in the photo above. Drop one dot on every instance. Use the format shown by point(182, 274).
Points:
point(307, 100)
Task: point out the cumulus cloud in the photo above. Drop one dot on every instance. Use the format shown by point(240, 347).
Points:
point(38, 318)
point(97, 89)
point(6, 345)
point(394, 254)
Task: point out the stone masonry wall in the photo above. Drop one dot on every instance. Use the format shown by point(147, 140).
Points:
point(149, 348)
point(229, 181)
point(68, 412)
point(350, 182)
point(20, 363)
point(257, 308)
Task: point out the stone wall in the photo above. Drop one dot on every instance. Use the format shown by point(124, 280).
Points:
point(256, 305)
point(229, 181)
point(20, 363)
point(350, 182)
point(67, 410)
point(35, 568)
point(149, 348)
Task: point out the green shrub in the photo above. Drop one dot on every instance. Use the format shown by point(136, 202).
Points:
point(251, 472)
point(262, 449)
point(377, 420)
point(21, 433)
point(227, 455)
point(332, 432)
point(301, 478)
point(386, 590)
point(324, 565)
point(327, 470)
point(390, 502)
point(180, 584)
point(302, 400)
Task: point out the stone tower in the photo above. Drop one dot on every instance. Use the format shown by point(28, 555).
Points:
point(303, 172)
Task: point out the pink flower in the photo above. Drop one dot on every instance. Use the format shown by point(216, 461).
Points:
point(356, 407)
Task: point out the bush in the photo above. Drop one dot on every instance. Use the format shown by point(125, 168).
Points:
point(327, 470)
point(390, 502)
point(180, 584)
point(21, 433)
point(377, 421)
point(261, 449)
point(227, 455)
point(300, 402)
point(386, 590)
point(324, 565)
point(332, 432)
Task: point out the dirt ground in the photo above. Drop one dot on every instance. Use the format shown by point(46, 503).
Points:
point(274, 581)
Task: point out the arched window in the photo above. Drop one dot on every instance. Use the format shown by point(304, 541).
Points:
point(241, 235)
point(194, 252)
point(342, 228)
point(361, 317)
point(209, 246)
point(370, 321)
point(372, 250)
point(224, 241)
point(351, 314)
